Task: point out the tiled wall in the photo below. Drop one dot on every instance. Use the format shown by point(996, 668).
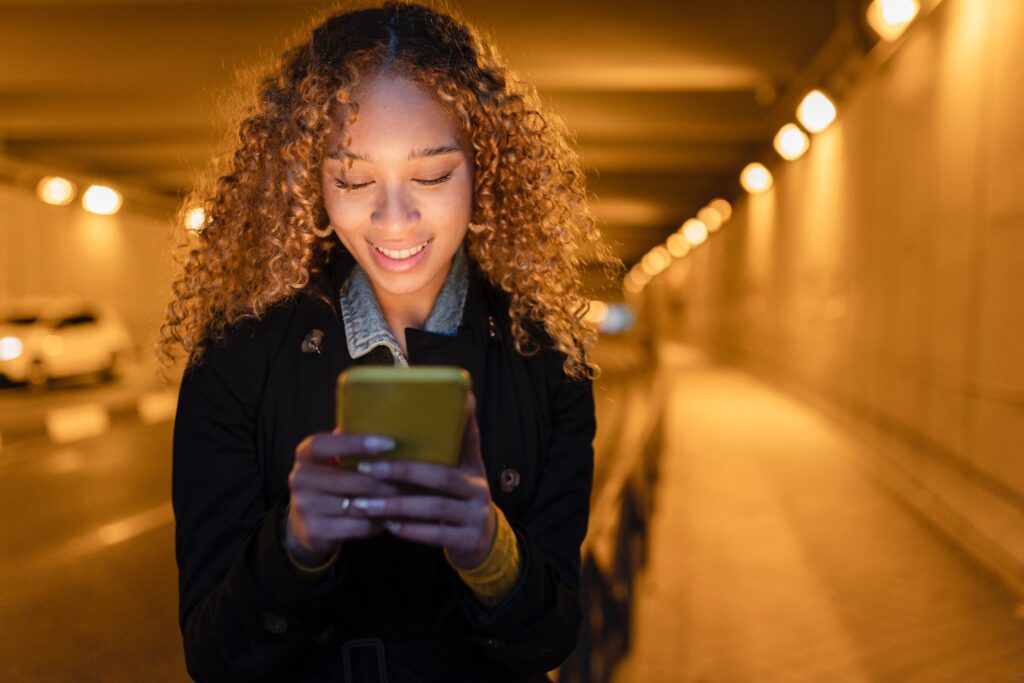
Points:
point(123, 259)
point(883, 275)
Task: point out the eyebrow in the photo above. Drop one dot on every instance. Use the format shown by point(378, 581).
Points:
point(415, 154)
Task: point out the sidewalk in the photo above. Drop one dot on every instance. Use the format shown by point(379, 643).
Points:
point(775, 557)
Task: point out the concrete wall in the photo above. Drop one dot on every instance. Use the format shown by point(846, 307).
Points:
point(883, 276)
point(52, 250)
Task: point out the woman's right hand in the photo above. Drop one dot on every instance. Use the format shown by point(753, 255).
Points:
point(318, 518)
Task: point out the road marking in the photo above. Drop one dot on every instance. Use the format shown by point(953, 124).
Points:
point(90, 542)
point(74, 423)
point(157, 406)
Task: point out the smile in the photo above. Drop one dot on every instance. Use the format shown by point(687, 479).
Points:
point(401, 254)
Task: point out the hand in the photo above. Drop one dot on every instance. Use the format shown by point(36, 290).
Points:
point(458, 517)
point(319, 518)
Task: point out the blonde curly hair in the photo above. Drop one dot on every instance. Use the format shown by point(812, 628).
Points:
point(258, 246)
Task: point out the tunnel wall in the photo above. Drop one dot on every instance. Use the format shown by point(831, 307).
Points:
point(883, 275)
point(55, 250)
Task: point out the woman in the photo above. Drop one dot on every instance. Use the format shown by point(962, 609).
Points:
point(396, 198)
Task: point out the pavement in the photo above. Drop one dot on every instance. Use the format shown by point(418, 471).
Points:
point(776, 556)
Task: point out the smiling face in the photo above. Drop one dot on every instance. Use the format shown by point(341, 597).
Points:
point(403, 207)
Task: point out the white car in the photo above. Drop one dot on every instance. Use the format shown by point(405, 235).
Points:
point(42, 339)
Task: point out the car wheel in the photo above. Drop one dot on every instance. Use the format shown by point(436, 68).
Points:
point(114, 367)
point(38, 375)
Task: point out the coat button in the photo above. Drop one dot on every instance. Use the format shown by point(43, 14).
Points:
point(274, 623)
point(509, 479)
point(325, 636)
point(313, 341)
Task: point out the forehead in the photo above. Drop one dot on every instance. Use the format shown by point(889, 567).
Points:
point(392, 111)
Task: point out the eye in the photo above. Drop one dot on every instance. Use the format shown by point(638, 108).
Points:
point(437, 181)
point(349, 186)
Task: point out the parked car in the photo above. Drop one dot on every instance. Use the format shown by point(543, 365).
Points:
point(44, 338)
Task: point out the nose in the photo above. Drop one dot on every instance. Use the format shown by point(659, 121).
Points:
point(395, 211)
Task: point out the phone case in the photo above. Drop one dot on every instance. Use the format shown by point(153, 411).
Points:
point(423, 408)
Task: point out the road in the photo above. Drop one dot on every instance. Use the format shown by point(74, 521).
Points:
point(88, 572)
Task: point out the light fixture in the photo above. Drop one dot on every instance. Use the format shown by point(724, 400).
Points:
point(791, 142)
point(816, 111)
point(710, 217)
point(656, 260)
point(677, 245)
point(890, 18)
point(694, 231)
point(55, 190)
point(723, 208)
point(101, 199)
point(755, 178)
point(596, 313)
point(195, 219)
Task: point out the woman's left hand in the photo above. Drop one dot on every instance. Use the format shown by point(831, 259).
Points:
point(459, 516)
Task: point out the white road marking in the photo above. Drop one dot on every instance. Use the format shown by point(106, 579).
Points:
point(157, 406)
point(102, 537)
point(74, 423)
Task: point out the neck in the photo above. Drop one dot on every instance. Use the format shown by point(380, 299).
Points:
point(409, 310)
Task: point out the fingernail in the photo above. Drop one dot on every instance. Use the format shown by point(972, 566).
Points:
point(369, 504)
point(373, 467)
point(379, 443)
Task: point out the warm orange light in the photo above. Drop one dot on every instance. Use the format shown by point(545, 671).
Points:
point(890, 18)
point(816, 111)
point(710, 217)
point(656, 260)
point(677, 245)
point(791, 142)
point(636, 280)
point(102, 200)
point(694, 231)
point(596, 313)
point(723, 208)
point(195, 219)
point(55, 190)
point(755, 178)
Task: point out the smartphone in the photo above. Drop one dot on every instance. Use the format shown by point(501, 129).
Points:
point(423, 408)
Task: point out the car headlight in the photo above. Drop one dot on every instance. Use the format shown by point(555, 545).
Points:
point(10, 348)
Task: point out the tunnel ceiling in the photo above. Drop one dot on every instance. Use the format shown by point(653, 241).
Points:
point(668, 99)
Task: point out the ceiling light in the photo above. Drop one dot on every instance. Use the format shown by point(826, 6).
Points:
point(816, 111)
point(723, 208)
point(56, 191)
point(890, 18)
point(677, 245)
point(195, 219)
point(710, 217)
point(596, 313)
point(694, 231)
point(791, 142)
point(102, 200)
point(656, 260)
point(755, 178)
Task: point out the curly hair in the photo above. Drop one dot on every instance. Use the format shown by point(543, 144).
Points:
point(258, 246)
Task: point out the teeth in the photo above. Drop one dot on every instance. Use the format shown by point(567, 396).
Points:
point(403, 254)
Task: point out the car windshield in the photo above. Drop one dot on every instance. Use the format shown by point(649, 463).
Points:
point(19, 318)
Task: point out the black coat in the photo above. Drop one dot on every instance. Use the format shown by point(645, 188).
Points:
point(244, 614)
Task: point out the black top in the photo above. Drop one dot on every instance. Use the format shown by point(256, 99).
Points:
point(245, 615)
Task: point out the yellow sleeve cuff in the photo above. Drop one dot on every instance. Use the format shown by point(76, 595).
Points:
point(310, 574)
point(492, 581)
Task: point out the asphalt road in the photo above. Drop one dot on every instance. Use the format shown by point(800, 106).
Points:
point(88, 576)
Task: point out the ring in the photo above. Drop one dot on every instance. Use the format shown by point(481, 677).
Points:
point(346, 503)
